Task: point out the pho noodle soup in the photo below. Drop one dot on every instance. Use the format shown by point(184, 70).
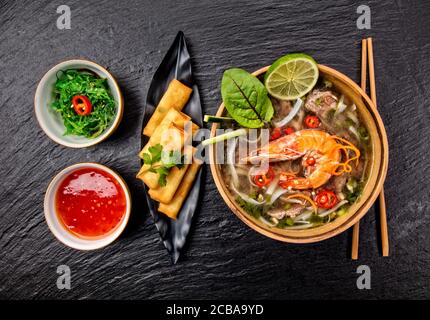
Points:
point(304, 168)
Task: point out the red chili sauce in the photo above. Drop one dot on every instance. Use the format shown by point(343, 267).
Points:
point(90, 202)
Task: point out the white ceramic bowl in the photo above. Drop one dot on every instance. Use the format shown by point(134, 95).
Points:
point(57, 227)
point(52, 123)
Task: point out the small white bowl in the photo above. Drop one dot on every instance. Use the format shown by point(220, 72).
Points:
point(57, 227)
point(52, 123)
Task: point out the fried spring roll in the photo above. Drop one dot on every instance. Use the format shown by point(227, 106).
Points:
point(176, 97)
point(172, 208)
point(165, 194)
point(173, 116)
point(172, 139)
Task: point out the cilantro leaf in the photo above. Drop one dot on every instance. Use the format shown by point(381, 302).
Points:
point(162, 175)
point(156, 152)
point(162, 162)
point(147, 159)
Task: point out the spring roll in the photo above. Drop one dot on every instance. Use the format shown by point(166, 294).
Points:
point(176, 97)
point(172, 208)
point(172, 139)
point(173, 116)
point(165, 194)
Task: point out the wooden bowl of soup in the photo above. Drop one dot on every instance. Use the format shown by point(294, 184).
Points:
point(369, 172)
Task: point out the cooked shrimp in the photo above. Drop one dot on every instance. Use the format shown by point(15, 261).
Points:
point(321, 153)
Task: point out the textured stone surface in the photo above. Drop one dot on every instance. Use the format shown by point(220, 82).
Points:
point(224, 258)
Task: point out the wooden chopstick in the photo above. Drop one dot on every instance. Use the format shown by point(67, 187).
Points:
point(363, 64)
point(356, 228)
point(382, 207)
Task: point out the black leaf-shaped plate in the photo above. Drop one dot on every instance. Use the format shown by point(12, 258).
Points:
point(176, 64)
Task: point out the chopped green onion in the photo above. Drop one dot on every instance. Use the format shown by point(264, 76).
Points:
point(225, 136)
point(351, 115)
point(341, 106)
point(341, 211)
point(327, 212)
point(209, 118)
point(287, 206)
point(290, 221)
point(299, 227)
point(328, 84)
point(351, 184)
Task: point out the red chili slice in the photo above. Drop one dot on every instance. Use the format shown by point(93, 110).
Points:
point(276, 134)
point(310, 161)
point(326, 199)
point(82, 105)
point(262, 180)
point(289, 130)
point(312, 121)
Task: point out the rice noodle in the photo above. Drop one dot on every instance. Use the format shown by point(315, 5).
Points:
point(302, 222)
point(303, 216)
point(272, 186)
point(340, 195)
point(353, 117)
point(301, 116)
point(355, 132)
point(304, 226)
point(267, 222)
point(363, 174)
point(291, 115)
point(248, 141)
point(247, 198)
point(327, 212)
point(275, 221)
point(241, 171)
point(341, 106)
point(297, 201)
point(256, 170)
point(297, 123)
point(279, 192)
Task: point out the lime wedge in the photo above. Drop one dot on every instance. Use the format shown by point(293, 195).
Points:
point(291, 76)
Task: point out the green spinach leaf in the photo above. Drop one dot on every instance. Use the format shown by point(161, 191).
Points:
point(245, 98)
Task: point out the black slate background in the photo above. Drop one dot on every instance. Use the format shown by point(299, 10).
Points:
point(224, 258)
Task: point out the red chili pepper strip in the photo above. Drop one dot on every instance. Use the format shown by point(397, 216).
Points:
point(82, 105)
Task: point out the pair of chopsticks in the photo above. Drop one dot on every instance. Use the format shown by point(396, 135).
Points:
point(367, 58)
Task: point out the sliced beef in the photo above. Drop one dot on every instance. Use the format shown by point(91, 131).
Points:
point(280, 213)
point(321, 102)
